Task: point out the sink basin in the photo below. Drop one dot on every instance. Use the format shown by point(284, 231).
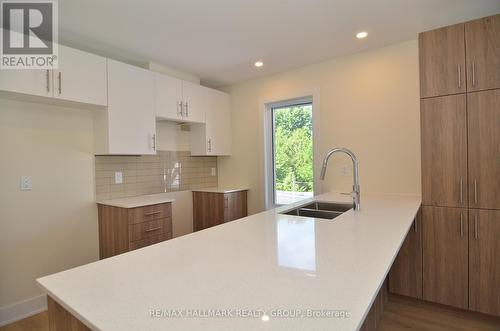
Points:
point(318, 209)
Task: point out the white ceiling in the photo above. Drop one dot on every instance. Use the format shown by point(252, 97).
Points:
point(219, 40)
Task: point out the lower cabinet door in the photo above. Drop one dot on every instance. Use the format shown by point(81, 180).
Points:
point(445, 255)
point(405, 276)
point(484, 261)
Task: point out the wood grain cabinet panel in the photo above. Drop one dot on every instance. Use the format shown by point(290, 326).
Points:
point(484, 260)
point(444, 151)
point(211, 209)
point(445, 255)
point(405, 276)
point(442, 61)
point(484, 149)
point(482, 38)
point(124, 229)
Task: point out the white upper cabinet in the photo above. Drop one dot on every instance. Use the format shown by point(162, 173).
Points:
point(81, 77)
point(128, 126)
point(179, 100)
point(213, 137)
point(194, 102)
point(35, 82)
point(168, 97)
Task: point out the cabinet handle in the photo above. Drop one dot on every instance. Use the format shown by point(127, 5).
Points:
point(154, 142)
point(152, 213)
point(47, 80)
point(459, 69)
point(209, 143)
point(476, 227)
point(415, 225)
point(179, 108)
point(59, 77)
point(461, 225)
point(187, 109)
point(153, 229)
point(475, 191)
point(473, 73)
point(461, 191)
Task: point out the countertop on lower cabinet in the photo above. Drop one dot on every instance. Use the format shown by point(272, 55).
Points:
point(138, 201)
point(266, 262)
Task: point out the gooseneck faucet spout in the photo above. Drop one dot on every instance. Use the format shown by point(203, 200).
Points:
point(355, 166)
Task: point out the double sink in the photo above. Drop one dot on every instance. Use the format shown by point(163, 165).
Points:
point(318, 209)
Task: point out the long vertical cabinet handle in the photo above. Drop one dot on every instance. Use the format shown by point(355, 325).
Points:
point(461, 224)
point(154, 142)
point(476, 227)
point(473, 73)
point(459, 69)
point(461, 191)
point(187, 108)
point(179, 108)
point(47, 80)
point(475, 191)
point(209, 144)
point(59, 77)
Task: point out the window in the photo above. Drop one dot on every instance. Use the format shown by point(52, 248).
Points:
point(292, 152)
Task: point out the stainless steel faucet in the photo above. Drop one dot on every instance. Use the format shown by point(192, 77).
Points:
point(355, 187)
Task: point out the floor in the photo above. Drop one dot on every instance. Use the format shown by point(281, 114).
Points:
point(399, 314)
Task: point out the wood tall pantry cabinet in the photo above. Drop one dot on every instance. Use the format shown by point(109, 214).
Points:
point(460, 139)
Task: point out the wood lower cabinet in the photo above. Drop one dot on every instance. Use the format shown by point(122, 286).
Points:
point(445, 255)
point(444, 151)
point(482, 38)
point(483, 110)
point(213, 208)
point(405, 276)
point(484, 261)
point(125, 229)
point(442, 61)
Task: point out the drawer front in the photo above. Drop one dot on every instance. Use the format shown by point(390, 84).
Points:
point(144, 230)
point(150, 240)
point(149, 213)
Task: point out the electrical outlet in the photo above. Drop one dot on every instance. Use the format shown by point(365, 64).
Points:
point(213, 172)
point(344, 170)
point(118, 177)
point(26, 184)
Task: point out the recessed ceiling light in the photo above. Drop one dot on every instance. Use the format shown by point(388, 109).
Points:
point(361, 35)
point(259, 64)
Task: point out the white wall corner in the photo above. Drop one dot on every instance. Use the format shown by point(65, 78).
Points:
point(22, 309)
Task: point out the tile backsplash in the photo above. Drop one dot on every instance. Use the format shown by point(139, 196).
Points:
point(165, 172)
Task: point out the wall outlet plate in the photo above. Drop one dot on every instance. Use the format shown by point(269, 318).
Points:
point(26, 184)
point(118, 177)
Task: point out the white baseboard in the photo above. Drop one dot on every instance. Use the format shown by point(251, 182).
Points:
point(23, 309)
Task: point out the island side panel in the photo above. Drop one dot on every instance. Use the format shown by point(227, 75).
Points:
point(61, 320)
point(374, 316)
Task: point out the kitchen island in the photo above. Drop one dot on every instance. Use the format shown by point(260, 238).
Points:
point(265, 271)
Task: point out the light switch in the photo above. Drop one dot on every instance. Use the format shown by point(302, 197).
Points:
point(26, 183)
point(213, 172)
point(118, 177)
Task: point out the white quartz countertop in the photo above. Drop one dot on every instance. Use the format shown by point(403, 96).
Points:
point(138, 201)
point(267, 263)
point(221, 189)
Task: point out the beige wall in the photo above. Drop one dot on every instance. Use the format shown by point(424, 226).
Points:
point(54, 226)
point(368, 102)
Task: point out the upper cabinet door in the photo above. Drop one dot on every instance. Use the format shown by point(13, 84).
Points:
point(31, 82)
point(218, 122)
point(131, 111)
point(81, 77)
point(483, 53)
point(444, 151)
point(194, 102)
point(442, 61)
point(168, 96)
point(484, 149)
